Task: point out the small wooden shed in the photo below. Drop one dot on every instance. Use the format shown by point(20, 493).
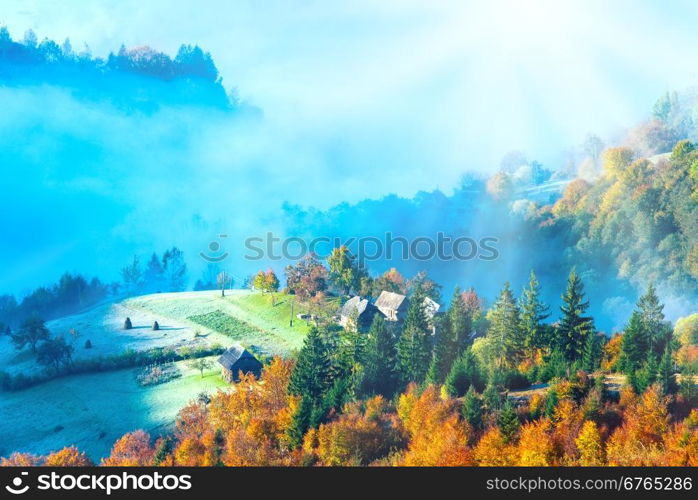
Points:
point(238, 359)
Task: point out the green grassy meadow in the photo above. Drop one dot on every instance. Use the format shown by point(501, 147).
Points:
point(253, 319)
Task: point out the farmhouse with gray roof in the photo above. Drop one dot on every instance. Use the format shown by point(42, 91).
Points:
point(359, 310)
point(394, 306)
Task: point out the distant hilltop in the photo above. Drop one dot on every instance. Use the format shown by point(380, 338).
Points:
point(139, 77)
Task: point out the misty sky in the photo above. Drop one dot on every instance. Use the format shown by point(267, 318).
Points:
point(359, 99)
point(444, 85)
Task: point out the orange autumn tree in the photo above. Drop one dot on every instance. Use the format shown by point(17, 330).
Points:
point(132, 449)
point(437, 436)
point(198, 444)
point(20, 460)
point(682, 443)
point(493, 450)
point(639, 440)
point(68, 457)
point(611, 353)
point(364, 433)
point(242, 427)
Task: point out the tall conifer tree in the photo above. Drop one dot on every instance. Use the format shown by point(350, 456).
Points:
point(574, 326)
point(414, 345)
point(533, 313)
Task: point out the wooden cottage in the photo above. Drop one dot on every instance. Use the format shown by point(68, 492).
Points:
point(359, 310)
point(392, 305)
point(238, 359)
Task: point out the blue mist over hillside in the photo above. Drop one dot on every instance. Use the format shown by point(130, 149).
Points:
point(101, 159)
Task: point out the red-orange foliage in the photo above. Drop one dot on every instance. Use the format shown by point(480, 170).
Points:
point(132, 449)
point(358, 437)
point(472, 301)
point(436, 434)
point(244, 426)
point(682, 443)
point(247, 425)
point(20, 460)
point(68, 457)
point(639, 440)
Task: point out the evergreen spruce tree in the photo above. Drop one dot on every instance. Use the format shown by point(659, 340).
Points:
point(508, 422)
point(311, 375)
point(687, 388)
point(647, 375)
point(460, 322)
point(533, 313)
point(634, 344)
point(163, 450)
point(492, 398)
point(414, 345)
point(551, 400)
point(300, 423)
point(665, 373)
point(574, 326)
point(632, 379)
point(657, 331)
point(464, 373)
point(591, 354)
point(652, 314)
point(444, 347)
point(380, 360)
point(350, 358)
point(154, 276)
point(335, 398)
point(472, 409)
point(505, 327)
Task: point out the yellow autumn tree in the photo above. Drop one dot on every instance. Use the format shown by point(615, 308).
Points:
point(535, 445)
point(568, 420)
point(589, 445)
point(616, 160)
point(493, 451)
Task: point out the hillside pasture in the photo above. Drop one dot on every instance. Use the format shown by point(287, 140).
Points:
point(92, 411)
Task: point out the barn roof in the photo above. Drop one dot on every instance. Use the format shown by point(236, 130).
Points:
point(355, 305)
point(233, 355)
point(390, 300)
